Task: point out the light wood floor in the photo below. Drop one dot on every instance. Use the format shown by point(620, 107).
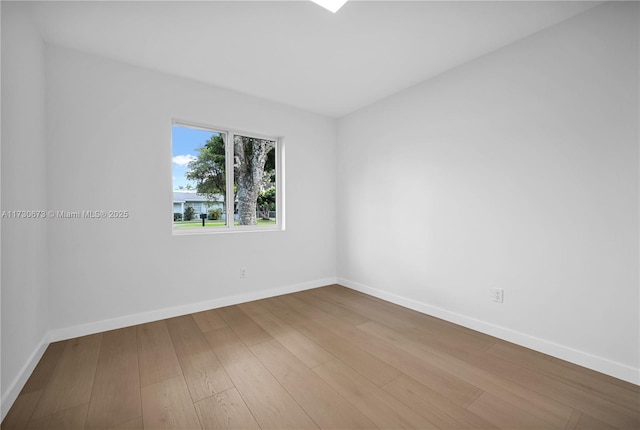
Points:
point(328, 358)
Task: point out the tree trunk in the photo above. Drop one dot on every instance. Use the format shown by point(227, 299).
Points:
point(250, 156)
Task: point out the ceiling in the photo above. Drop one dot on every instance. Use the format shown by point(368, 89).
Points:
point(296, 52)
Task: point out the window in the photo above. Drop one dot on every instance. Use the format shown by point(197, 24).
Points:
point(225, 180)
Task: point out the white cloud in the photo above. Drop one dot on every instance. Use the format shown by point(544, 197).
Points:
point(183, 160)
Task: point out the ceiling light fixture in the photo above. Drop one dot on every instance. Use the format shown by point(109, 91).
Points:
point(332, 5)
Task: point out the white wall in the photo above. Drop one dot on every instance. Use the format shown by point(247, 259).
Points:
point(518, 170)
point(109, 148)
point(24, 241)
point(524, 164)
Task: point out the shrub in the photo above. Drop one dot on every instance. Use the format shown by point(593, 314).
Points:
point(214, 214)
point(177, 216)
point(266, 202)
point(189, 213)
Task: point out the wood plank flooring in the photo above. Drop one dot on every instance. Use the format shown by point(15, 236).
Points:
point(328, 358)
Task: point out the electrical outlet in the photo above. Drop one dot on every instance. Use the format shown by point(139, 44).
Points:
point(497, 295)
point(243, 272)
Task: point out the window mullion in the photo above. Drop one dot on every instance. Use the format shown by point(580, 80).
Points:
point(280, 184)
point(229, 197)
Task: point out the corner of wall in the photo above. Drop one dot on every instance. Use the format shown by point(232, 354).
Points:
point(25, 275)
point(11, 394)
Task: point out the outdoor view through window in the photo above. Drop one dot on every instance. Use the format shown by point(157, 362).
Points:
point(214, 167)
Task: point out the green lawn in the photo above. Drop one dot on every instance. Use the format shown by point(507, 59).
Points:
point(217, 223)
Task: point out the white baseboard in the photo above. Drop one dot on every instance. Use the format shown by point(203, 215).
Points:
point(596, 363)
point(599, 364)
point(18, 383)
point(145, 317)
point(55, 335)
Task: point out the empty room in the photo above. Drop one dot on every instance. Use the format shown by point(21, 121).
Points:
point(320, 215)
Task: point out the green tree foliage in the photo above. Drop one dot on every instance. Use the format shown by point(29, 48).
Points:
point(208, 169)
point(254, 166)
point(267, 202)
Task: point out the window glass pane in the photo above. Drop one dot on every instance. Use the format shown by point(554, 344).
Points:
point(254, 173)
point(199, 181)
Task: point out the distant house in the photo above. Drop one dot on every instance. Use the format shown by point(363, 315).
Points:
point(198, 202)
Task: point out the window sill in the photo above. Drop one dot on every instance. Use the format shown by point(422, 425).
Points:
point(222, 230)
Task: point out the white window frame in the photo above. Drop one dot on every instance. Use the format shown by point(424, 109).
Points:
point(229, 134)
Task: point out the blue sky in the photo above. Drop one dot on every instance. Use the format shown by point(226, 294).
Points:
point(185, 142)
